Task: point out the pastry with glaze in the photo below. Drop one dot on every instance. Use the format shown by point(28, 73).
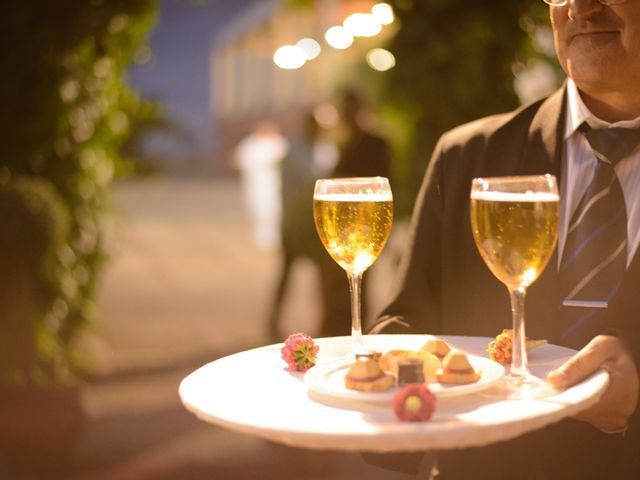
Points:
point(457, 370)
point(365, 375)
point(438, 347)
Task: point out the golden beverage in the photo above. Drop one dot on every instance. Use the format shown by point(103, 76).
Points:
point(353, 227)
point(515, 233)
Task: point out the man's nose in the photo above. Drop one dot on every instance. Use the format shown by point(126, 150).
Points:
point(581, 9)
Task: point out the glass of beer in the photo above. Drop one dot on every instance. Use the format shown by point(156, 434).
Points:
point(515, 227)
point(353, 217)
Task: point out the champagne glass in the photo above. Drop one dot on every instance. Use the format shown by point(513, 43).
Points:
point(515, 227)
point(353, 217)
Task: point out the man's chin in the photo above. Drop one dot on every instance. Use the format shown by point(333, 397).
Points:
point(592, 61)
point(593, 77)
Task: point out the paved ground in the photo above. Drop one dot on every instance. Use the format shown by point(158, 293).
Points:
point(185, 286)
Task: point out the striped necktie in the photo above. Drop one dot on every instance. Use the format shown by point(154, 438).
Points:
point(595, 251)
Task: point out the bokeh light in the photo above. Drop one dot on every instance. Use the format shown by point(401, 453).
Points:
point(362, 25)
point(311, 48)
point(290, 57)
point(380, 59)
point(326, 115)
point(338, 37)
point(383, 12)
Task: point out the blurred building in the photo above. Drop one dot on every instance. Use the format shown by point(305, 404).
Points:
point(247, 85)
point(174, 71)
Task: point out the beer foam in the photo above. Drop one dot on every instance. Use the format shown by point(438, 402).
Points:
point(354, 197)
point(516, 197)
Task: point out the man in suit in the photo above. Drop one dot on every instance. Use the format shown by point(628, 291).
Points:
point(445, 287)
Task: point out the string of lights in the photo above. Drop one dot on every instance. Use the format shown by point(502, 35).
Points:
point(340, 37)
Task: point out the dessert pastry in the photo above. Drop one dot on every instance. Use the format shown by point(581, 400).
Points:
point(438, 347)
point(456, 369)
point(430, 363)
point(365, 375)
point(410, 371)
point(414, 403)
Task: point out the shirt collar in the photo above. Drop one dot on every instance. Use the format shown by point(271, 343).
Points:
point(577, 112)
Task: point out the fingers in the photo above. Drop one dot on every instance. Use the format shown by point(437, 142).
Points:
point(597, 354)
point(620, 399)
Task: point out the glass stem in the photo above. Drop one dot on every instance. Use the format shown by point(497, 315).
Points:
point(519, 363)
point(355, 285)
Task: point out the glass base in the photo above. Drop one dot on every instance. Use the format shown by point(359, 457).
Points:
point(359, 350)
point(527, 387)
point(357, 343)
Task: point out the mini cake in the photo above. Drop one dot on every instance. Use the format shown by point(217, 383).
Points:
point(410, 371)
point(456, 369)
point(430, 363)
point(438, 347)
point(365, 375)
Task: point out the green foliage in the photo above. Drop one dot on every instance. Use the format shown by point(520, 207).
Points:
point(298, 3)
point(66, 113)
point(35, 224)
point(454, 63)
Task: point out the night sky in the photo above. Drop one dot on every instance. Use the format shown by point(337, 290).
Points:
point(178, 73)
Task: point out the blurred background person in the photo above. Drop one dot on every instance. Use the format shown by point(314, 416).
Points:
point(362, 153)
point(258, 157)
point(311, 155)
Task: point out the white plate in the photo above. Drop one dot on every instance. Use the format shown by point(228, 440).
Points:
point(328, 379)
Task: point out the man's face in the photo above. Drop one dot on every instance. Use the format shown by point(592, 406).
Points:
point(599, 46)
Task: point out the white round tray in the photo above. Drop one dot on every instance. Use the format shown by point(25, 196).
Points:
point(254, 392)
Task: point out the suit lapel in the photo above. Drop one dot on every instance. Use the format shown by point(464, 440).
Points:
point(543, 154)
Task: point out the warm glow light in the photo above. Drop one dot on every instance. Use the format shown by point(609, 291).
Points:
point(383, 12)
point(310, 46)
point(338, 37)
point(362, 25)
point(381, 59)
point(289, 57)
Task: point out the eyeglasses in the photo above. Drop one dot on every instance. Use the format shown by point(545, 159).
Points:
point(562, 3)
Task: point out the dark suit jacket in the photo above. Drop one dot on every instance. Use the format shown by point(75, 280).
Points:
point(445, 287)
